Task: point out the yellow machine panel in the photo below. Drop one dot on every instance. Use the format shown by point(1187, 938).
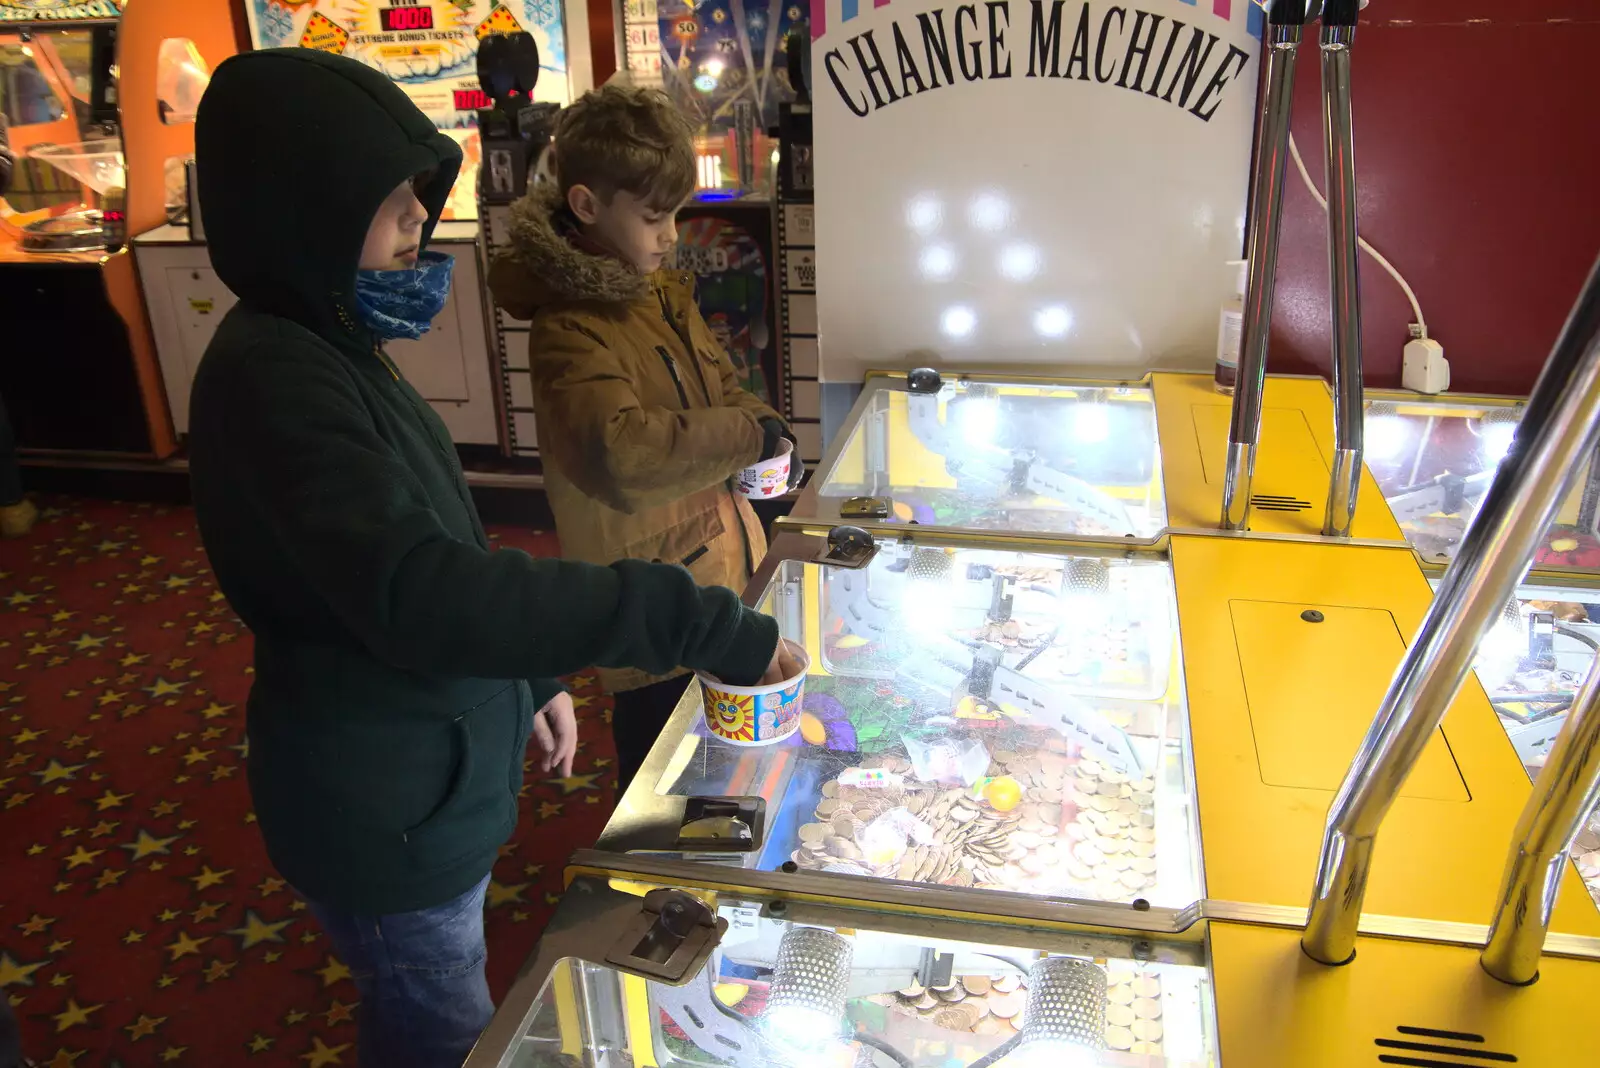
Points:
point(1292, 462)
point(1278, 704)
point(1398, 1002)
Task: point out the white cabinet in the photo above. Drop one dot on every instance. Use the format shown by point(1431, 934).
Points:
point(449, 365)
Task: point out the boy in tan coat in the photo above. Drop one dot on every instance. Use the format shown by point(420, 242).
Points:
point(642, 423)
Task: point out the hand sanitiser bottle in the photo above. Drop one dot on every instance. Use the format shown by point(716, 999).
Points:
point(1230, 332)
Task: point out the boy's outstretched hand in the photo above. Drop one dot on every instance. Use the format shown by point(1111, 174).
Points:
point(555, 735)
point(784, 666)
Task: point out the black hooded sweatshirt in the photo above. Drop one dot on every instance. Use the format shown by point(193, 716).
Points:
point(399, 661)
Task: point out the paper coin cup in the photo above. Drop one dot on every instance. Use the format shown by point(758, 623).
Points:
point(767, 478)
point(755, 715)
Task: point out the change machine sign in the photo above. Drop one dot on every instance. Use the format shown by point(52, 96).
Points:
point(1029, 182)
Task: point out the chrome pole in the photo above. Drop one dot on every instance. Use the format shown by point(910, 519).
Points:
point(1567, 790)
point(1560, 430)
point(1344, 275)
point(1285, 21)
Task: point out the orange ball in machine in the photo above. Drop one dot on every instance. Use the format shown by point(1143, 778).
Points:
point(1003, 793)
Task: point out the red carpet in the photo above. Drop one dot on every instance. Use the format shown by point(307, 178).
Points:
point(140, 923)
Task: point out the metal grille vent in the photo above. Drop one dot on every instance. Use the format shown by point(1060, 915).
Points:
point(1425, 1047)
point(1271, 503)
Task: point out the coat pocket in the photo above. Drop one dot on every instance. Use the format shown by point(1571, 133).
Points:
point(479, 807)
point(679, 542)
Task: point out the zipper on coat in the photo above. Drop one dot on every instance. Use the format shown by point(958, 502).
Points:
point(383, 358)
point(666, 317)
point(672, 369)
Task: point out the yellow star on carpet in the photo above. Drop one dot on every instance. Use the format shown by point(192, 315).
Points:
point(16, 800)
point(207, 877)
point(333, 971)
point(86, 642)
point(548, 809)
point(61, 887)
point(110, 697)
point(500, 894)
point(132, 938)
point(134, 659)
point(164, 808)
point(109, 878)
point(211, 734)
point(260, 1043)
point(208, 910)
point(172, 1053)
point(271, 956)
point(573, 783)
point(294, 1017)
point(162, 688)
point(178, 582)
point(105, 827)
point(532, 869)
point(518, 916)
point(19, 599)
point(36, 924)
point(184, 825)
point(147, 845)
point(81, 856)
point(28, 734)
point(168, 915)
point(75, 1015)
point(64, 1058)
point(256, 930)
point(59, 945)
point(203, 628)
point(76, 741)
point(144, 1026)
point(321, 1055)
point(219, 969)
point(149, 561)
point(166, 981)
point(39, 649)
point(270, 885)
point(195, 756)
point(224, 772)
point(55, 771)
point(340, 1012)
point(60, 979)
point(186, 946)
point(111, 799)
point(35, 849)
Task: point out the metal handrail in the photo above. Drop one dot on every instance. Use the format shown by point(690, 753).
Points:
point(1285, 23)
point(1344, 275)
point(1566, 791)
point(1560, 430)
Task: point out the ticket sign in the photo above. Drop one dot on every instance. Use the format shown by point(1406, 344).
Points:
point(429, 47)
point(1056, 183)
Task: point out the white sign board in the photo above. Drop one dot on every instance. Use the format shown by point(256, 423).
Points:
point(1029, 182)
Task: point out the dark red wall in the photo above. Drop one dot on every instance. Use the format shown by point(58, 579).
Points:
point(1477, 128)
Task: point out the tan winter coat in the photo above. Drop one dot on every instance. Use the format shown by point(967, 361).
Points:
point(641, 421)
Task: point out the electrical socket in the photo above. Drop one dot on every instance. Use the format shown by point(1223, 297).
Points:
point(1423, 367)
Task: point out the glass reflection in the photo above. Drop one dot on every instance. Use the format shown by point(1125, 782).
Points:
point(1019, 262)
point(924, 213)
point(989, 211)
point(937, 263)
point(1053, 321)
point(958, 322)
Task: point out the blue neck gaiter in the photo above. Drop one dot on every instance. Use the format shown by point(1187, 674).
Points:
point(402, 304)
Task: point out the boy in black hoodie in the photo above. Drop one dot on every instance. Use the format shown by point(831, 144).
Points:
point(400, 665)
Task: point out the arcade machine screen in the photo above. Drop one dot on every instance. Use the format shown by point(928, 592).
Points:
point(429, 48)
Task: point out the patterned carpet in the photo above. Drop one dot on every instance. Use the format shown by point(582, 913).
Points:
point(140, 923)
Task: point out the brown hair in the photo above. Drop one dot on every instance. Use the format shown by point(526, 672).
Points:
point(628, 139)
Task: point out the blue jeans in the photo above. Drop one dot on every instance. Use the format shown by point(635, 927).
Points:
point(424, 998)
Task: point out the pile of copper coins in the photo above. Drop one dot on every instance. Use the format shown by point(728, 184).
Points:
point(996, 1004)
point(1046, 824)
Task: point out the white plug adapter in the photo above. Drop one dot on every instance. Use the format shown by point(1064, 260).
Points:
point(1424, 368)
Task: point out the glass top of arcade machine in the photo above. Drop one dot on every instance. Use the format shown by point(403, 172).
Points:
point(1434, 457)
point(974, 718)
point(1080, 460)
point(788, 985)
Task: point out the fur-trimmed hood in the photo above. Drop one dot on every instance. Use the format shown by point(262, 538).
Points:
point(542, 267)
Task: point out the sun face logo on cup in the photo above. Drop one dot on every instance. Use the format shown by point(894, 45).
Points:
point(733, 717)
